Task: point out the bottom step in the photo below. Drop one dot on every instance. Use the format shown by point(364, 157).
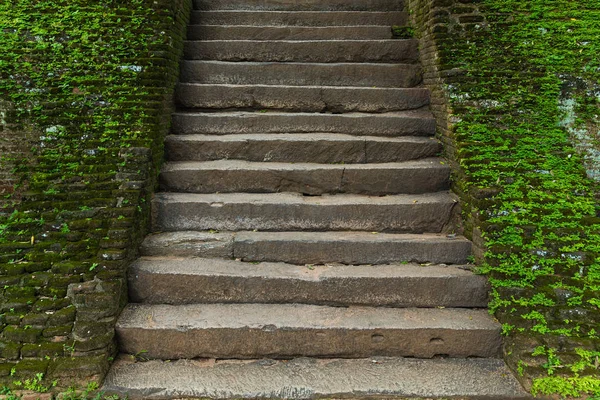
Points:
point(306, 378)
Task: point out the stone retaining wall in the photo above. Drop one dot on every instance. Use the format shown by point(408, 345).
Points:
point(92, 144)
point(547, 316)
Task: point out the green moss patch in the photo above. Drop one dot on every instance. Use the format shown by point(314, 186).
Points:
point(521, 79)
point(85, 95)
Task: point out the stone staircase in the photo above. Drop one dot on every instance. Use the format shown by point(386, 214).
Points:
point(304, 243)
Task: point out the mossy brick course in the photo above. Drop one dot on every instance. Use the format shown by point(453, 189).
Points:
point(28, 368)
point(78, 368)
point(42, 350)
point(21, 334)
point(62, 317)
point(57, 331)
point(10, 350)
point(35, 319)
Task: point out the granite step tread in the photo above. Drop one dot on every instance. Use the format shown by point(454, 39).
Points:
point(309, 379)
point(311, 247)
point(415, 213)
point(304, 5)
point(298, 18)
point(250, 32)
point(400, 123)
point(300, 98)
point(308, 51)
point(237, 176)
point(323, 148)
point(179, 280)
point(301, 74)
point(289, 330)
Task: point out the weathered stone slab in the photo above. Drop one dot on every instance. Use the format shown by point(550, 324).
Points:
point(157, 280)
point(304, 5)
point(308, 379)
point(289, 212)
point(324, 148)
point(290, 330)
point(301, 98)
point(232, 32)
point(350, 248)
point(401, 123)
point(316, 51)
point(231, 176)
point(299, 18)
point(301, 74)
point(182, 244)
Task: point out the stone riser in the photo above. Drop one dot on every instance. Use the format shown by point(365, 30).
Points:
point(293, 212)
point(304, 5)
point(310, 379)
point(302, 74)
point(301, 98)
point(205, 280)
point(232, 176)
point(299, 18)
point(405, 123)
point(331, 51)
point(218, 32)
point(288, 330)
point(301, 148)
point(310, 247)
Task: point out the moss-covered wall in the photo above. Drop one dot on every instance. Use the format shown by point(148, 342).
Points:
point(85, 101)
point(500, 71)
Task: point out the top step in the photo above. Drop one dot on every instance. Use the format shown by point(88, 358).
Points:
point(305, 5)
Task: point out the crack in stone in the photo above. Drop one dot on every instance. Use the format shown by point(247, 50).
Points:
point(342, 180)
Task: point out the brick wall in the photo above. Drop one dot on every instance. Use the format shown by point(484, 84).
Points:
point(447, 30)
point(85, 204)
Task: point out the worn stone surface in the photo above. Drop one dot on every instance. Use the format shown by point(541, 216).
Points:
point(299, 18)
point(232, 32)
point(307, 379)
point(350, 248)
point(305, 5)
point(176, 280)
point(316, 247)
point(231, 176)
point(317, 51)
point(301, 98)
point(300, 74)
point(323, 148)
point(289, 330)
point(401, 123)
point(291, 211)
point(182, 244)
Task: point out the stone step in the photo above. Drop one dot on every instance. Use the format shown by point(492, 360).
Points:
point(246, 331)
point(304, 5)
point(308, 51)
point(325, 148)
point(302, 74)
point(293, 212)
point(309, 379)
point(400, 123)
point(301, 98)
point(249, 32)
point(299, 18)
point(350, 248)
point(315, 248)
point(213, 280)
point(235, 176)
